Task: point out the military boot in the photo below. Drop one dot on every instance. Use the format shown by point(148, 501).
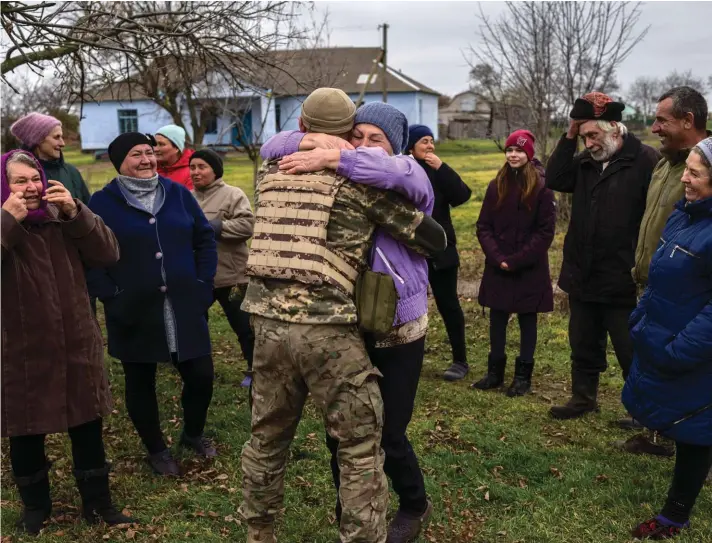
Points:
point(34, 491)
point(495, 373)
point(260, 534)
point(584, 389)
point(97, 506)
point(522, 382)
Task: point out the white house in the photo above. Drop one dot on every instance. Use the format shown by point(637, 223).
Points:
point(263, 110)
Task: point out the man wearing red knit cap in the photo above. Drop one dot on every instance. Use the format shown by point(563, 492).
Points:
point(608, 182)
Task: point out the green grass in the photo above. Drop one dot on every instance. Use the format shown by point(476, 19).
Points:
point(498, 470)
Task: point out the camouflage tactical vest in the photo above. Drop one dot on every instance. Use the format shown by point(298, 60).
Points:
point(291, 230)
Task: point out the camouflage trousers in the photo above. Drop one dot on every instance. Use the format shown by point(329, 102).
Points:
point(331, 363)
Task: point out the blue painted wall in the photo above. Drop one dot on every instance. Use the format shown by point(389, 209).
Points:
point(100, 122)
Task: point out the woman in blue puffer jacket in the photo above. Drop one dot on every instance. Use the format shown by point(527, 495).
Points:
point(669, 388)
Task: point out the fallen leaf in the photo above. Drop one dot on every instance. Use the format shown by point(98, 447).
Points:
point(222, 477)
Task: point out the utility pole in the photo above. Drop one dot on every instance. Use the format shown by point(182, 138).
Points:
point(384, 83)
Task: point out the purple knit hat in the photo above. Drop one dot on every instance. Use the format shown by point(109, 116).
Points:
point(33, 128)
point(34, 216)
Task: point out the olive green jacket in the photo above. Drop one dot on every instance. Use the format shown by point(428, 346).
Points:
point(664, 192)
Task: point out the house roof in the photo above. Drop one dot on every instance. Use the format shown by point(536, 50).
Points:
point(299, 72)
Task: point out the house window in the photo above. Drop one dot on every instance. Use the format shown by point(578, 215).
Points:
point(420, 110)
point(278, 117)
point(467, 103)
point(363, 78)
point(128, 121)
point(212, 124)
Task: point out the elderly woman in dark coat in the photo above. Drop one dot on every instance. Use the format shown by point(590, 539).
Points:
point(515, 229)
point(157, 296)
point(53, 377)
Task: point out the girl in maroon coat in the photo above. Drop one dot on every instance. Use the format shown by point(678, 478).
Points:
point(515, 229)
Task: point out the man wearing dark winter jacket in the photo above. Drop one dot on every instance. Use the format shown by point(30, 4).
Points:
point(609, 183)
point(42, 135)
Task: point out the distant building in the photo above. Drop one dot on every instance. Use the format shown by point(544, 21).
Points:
point(470, 115)
point(266, 106)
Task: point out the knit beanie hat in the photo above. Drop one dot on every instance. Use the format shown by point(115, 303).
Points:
point(387, 118)
point(415, 133)
point(174, 133)
point(522, 139)
point(705, 147)
point(33, 128)
point(596, 106)
point(212, 158)
point(122, 145)
point(328, 111)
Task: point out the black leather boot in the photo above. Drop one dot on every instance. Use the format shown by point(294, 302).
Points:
point(93, 486)
point(495, 373)
point(584, 389)
point(522, 382)
point(34, 491)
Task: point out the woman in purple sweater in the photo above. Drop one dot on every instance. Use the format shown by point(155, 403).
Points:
point(380, 132)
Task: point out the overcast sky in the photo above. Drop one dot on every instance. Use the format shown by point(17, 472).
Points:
point(426, 40)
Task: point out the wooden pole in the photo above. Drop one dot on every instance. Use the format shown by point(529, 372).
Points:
point(384, 83)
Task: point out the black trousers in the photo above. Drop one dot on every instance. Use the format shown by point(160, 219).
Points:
point(142, 405)
point(444, 286)
point(400, 366)
point(27, 453)
point(589, 326)
point(498, 334)
point(692, 464)
point(239, 322)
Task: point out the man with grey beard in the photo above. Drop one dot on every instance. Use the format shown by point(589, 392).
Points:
point(609, 183)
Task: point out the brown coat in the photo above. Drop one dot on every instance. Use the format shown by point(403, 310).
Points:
point(229, 212)
point(53, 375)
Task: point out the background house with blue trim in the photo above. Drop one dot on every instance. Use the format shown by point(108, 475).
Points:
point(264, 106)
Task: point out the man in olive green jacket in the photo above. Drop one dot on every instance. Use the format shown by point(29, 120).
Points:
point(680, 121)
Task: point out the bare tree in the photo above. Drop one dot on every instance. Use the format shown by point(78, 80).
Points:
point(38, 94)
point(550, 53)
point(644, 93)
point(594, 38)
point(92, 45)
point(679, 79)
point(529, 68)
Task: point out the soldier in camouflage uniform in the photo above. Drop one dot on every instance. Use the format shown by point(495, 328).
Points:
point(312, 238)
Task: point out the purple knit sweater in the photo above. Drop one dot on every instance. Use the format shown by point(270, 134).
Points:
point(374, 167)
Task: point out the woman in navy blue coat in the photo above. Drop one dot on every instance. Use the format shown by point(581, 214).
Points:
point(157, 296)
point(669, 388)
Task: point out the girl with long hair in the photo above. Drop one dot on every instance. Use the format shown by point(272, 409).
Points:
point(515, 229)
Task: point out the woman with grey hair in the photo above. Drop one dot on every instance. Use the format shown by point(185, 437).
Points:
point(669, 389)
point(53, 375)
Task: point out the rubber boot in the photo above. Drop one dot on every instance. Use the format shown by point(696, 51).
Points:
point(34, 491)
point(522, 382)
point(495, 373)
point(93, 487)
point(584, 389)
